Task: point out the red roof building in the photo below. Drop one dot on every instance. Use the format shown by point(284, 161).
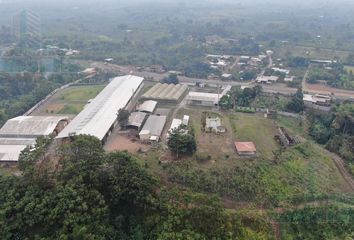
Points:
point(245, 148)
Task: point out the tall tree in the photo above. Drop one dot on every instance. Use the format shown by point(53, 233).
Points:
point(181, 143)
point(123, 117)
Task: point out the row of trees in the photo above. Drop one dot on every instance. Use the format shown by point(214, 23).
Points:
point(335, 74)
point(239, 97)
point(20, 92)
point(335, 130)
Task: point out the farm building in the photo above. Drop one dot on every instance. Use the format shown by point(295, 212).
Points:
point(245, 148)
point(148, 106)
point(100, 116)
point(206, 99)
point(185, 120)
point(136, 120)
point(267, 79)
point(226, 76)
point(152, 129)
point(166, 92)
point(321, 100)
point(285, 71)
point(20, 132)
point(176, 123)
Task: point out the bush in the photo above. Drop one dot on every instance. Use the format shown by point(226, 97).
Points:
point(245, 110)
point(202, 157)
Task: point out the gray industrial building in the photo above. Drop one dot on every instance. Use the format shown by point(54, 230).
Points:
point(100, 116)
point(153, 128)
point(166, 92)
point(20, 132)
point(136, 120)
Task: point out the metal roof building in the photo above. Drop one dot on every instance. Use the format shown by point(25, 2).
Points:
point(136, 119)
point(20, 132)
point(153, 127)
point(245, 148)
point(206, 99)
point(166, 92)
point(176, 123)
point(202, 98)
point(100, 116)
point(30, 126)
point(148, 106)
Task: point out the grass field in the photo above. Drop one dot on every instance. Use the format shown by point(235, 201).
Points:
point(349, 68)
point(257, 129)
point(303, 171)
point(69, 101)
point(294, 125)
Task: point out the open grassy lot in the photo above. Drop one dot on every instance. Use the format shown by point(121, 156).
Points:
point(70, 101)
point(349, 68)
point(299, 174)
point(293, 125)
point(217, 146)
point(257, 129)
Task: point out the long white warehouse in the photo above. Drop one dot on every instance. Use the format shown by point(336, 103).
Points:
point(100, 116)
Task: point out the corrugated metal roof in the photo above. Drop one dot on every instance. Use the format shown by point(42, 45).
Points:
point(201, 96)
point(18, 141)
point(136, 119)
point(154, 125)
point(11, 153)
point(166, 92)
point(176, 123)
point(245, 147)
point(97, 118)
point(147, 106)
point(30, 126)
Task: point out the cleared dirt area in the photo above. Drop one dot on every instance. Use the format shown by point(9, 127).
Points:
point(215, 145)
point(125, 141)
point(325, 89)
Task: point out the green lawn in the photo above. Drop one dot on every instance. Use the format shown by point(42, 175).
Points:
point(81, 93)
point(257, 129)
point(294, 125)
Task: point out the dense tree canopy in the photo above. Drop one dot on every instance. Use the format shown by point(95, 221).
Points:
point(81, 192)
